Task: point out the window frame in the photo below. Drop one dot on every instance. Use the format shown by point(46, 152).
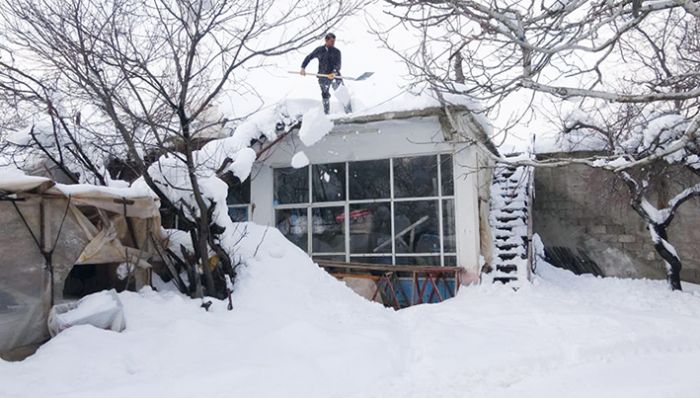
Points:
point(247, 208)
point(310, 205)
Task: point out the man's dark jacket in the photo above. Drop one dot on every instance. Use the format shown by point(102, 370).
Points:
point(328, 59)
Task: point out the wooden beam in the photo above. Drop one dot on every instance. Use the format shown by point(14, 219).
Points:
point(388, 267)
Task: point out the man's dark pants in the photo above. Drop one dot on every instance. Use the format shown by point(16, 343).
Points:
point(325, 84)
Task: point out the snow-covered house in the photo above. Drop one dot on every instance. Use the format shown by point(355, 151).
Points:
point(402, 173)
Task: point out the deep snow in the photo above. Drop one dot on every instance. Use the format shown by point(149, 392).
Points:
point(315, 125)
point(297, 332)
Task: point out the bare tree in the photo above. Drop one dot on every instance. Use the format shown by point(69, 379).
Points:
point(143, 78)
point(57, 143)
point(604, 69)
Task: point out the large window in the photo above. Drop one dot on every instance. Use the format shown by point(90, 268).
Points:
point(350, 211)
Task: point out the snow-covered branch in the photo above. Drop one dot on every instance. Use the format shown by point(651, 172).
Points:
point(573, 92)
point(531, 64)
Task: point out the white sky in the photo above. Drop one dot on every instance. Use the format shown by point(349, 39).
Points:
point(361, 52)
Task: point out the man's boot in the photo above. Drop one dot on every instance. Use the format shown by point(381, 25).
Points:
point(326, 105)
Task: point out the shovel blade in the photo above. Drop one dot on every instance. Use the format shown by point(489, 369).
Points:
point(364, 76)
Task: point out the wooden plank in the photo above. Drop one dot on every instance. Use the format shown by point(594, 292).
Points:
point(341, 275)
point(389, 267)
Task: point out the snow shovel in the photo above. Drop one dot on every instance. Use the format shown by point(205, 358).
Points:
point(363, 76)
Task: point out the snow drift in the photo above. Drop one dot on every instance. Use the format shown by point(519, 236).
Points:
point(296, 331)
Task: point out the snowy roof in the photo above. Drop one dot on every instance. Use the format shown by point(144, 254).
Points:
point(139, 201)
point(306, 115)
point(480, 132)
point(389, 115)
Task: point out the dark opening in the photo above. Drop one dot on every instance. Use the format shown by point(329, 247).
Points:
point(575, 260)
point(91, 278)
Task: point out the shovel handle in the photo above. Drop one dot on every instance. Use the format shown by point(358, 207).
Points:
point(327, 76)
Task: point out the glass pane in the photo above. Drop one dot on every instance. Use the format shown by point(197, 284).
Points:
point(415, 177)
point(421, 260)
point(372, 260)
point(448, 186)
point(370, 228)
point(328, 182)
point(238, 193)
point(451, 261)
point(293, 223)
point(328, 234)
point(416, 227)
point(291, 185)
point(238, 214)
point(448, 226)
point(369, 180)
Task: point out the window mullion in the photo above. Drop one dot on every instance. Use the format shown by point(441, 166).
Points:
point(309, 214)
point(336, 203)
point(440, 227)
point(292, 206)
point(391, 194)
point(415, 198)
point(366, 201)
point(346, 209)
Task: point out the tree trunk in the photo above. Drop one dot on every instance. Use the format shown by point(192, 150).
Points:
point(668, 254)
point(203, 232)
point(202, 226)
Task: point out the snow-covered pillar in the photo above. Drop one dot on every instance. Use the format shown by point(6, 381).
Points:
point(467, 212)
point(262, 195)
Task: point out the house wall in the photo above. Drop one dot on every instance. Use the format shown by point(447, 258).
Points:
point(484, 180)
point(586, 213)
point(381, 140)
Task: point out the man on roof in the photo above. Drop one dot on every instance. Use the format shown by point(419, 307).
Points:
point(328, 64)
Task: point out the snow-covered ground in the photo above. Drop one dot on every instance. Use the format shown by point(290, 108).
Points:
point(297, 332)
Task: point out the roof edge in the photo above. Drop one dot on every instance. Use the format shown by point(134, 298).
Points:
point(396, 115)
point(438, 111)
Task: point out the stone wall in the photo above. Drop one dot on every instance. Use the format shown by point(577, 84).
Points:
point(584, 219)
